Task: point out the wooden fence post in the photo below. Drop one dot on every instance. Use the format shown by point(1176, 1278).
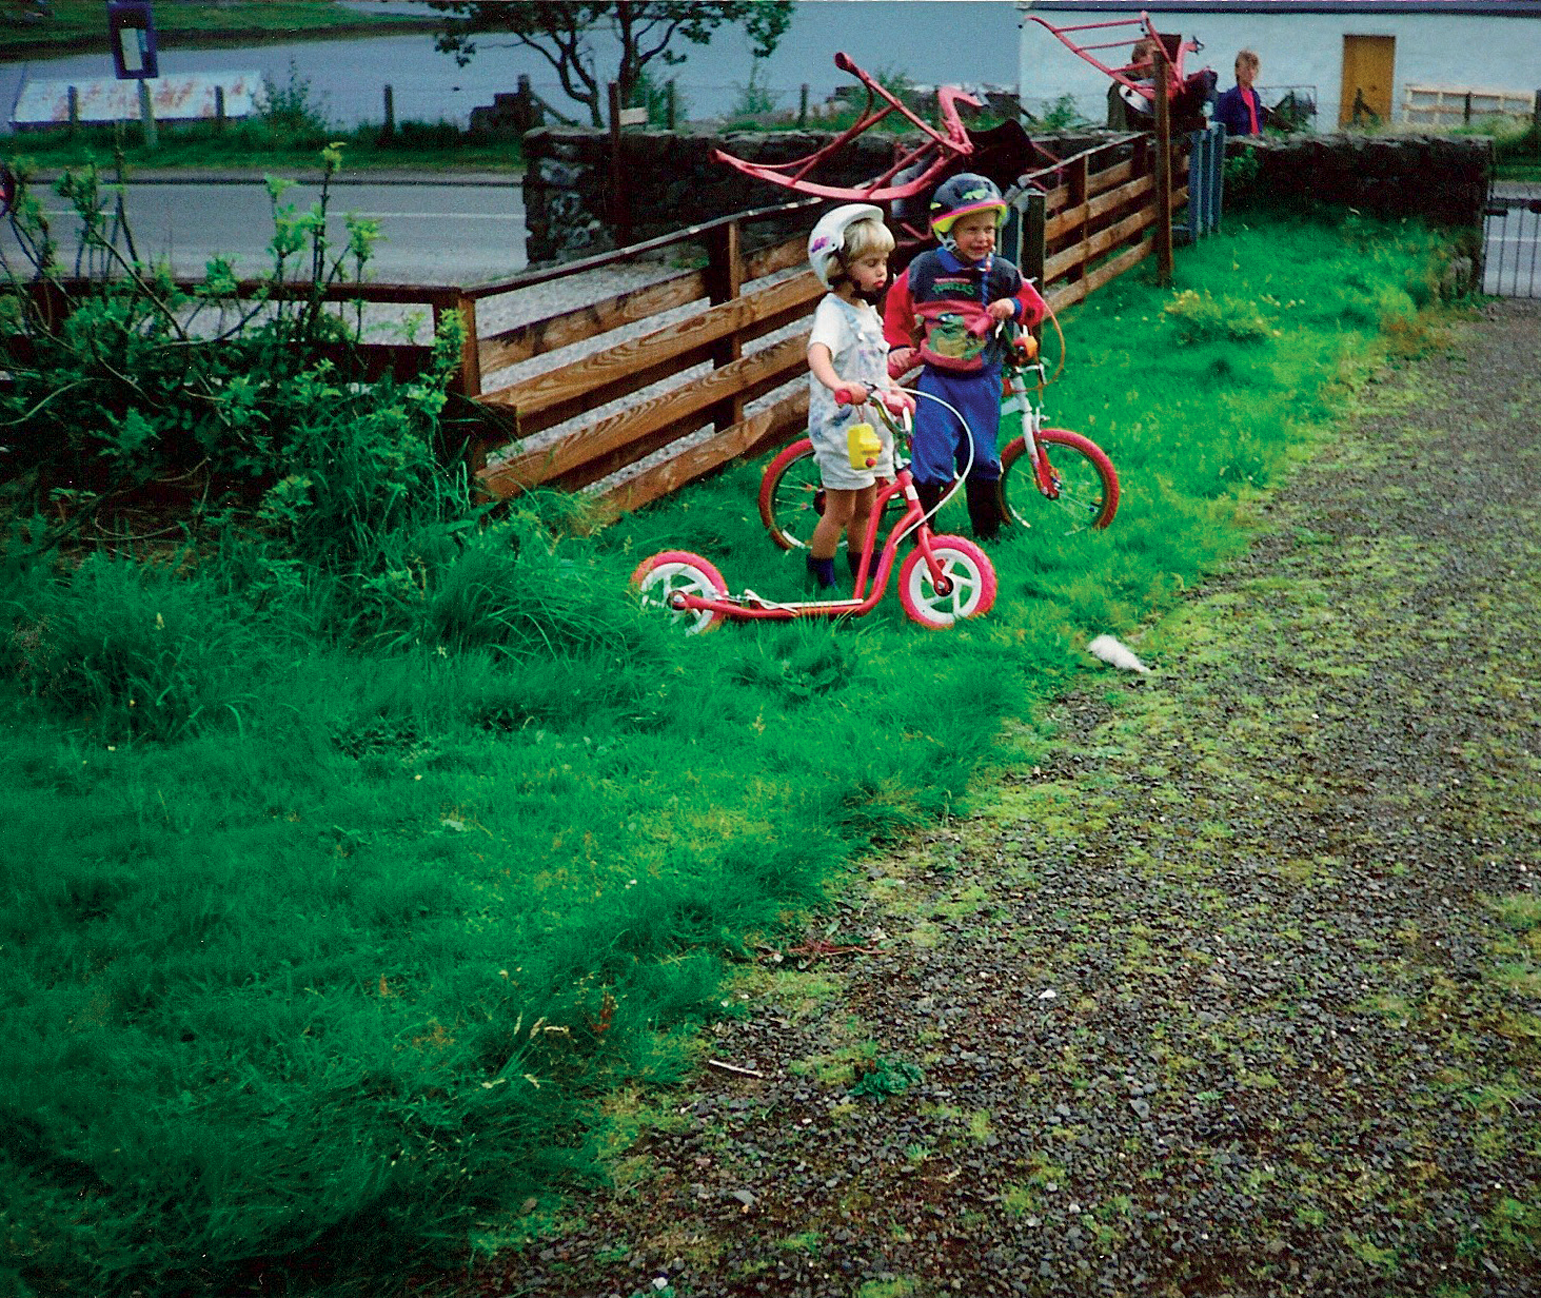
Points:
point(1163, 169)
point(219, 109)
point(75, 108)
point(802, 107)
point(390, 112)
point(468, 378)
point(1078, 180)
point(147, 115)
point(1035, 219)
point(724, 282)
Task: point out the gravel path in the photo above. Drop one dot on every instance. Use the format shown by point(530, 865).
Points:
point(1237, 992)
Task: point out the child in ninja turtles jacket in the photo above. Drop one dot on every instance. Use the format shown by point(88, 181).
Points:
point(945, 311)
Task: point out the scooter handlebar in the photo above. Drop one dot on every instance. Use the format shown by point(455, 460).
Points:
point(892, 400)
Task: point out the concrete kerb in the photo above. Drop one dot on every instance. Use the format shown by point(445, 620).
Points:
point(311, 176)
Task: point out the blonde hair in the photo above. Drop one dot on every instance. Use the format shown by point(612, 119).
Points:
point(864, 238)
point(1249, 58)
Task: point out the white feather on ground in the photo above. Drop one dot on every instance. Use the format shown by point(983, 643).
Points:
point(1117, 654)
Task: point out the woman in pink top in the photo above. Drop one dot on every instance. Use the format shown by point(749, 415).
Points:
point(1239, 109)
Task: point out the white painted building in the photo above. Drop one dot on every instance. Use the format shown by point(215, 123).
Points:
point(1391, 56)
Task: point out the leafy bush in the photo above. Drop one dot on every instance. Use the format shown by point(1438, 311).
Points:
point(293, 110)
point(142, 380)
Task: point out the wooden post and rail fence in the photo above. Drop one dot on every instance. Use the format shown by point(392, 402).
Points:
point(1072, 228)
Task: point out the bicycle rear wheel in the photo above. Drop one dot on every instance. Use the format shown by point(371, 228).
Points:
point(792, 496)
point(1084, 483)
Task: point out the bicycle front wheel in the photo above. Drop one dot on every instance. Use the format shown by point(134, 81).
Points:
point(1082, 488)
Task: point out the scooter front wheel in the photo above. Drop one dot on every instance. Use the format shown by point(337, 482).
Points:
point(966, 588)
point(668, 573)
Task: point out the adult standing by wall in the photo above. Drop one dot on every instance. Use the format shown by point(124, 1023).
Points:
point(1239, 108)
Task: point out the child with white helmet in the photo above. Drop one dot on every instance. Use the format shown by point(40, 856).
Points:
point(944, 311)
point(848, 251)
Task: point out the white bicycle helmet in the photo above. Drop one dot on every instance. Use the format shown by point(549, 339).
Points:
point(828, 237)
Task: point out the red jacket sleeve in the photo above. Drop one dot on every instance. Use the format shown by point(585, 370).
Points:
point(899, 315)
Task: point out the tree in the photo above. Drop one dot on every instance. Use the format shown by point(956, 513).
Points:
point(559, 29)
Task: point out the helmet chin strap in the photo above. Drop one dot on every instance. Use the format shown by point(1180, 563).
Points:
point(871, 296)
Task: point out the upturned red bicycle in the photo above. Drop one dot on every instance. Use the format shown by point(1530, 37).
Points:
point(942, 580)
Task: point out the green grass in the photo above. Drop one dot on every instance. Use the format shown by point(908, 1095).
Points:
point(324, 940)
point(421, 146)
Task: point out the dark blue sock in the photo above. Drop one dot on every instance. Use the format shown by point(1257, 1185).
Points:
point(822, 571)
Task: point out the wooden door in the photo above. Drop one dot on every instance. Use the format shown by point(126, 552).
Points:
point(1368, 65)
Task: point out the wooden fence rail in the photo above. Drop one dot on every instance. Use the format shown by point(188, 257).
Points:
point(715, 337)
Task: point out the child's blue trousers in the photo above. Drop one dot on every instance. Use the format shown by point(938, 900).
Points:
point(938, 450)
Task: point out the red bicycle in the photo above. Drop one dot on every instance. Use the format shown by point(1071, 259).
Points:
point(1050, 477)
point(942, 580)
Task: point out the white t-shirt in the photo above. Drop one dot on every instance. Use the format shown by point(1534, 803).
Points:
point(853, 332)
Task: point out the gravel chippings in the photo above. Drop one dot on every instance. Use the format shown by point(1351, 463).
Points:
point(1233, 993)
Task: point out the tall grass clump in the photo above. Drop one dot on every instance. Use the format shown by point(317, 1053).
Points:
point(357, 841)
point(136, 651)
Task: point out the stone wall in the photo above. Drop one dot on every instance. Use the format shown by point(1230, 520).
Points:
point(1443, 179)
point(674, 182)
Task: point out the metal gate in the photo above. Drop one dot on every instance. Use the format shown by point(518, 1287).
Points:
point(1511, 245)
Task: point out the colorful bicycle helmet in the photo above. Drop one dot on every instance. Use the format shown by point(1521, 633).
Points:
point(828, 237)
point(961, 194)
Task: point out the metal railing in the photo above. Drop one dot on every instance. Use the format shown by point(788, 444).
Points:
point(1511, 245)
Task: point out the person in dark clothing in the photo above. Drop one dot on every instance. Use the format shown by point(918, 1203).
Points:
point(1239, 109)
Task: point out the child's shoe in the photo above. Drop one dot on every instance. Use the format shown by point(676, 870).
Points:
point(822, 571)
point(984, 508)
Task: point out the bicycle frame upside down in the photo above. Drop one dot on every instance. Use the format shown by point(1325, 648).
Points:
point(939, 150)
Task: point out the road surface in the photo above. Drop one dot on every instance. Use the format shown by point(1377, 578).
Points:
point(456, 231)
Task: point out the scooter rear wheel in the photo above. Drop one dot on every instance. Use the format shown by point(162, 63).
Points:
point(668, 573)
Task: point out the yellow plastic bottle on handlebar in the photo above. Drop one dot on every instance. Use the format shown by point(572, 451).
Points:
point(864, 446)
